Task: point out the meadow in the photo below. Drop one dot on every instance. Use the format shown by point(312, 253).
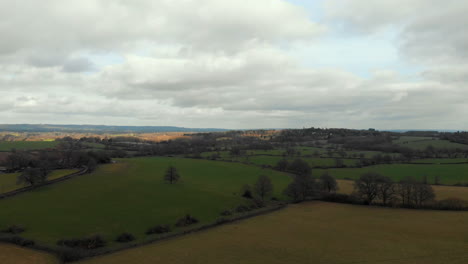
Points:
point(131, 196)
point(449, 174)
point(317, 232)
point(421, 143)
point(8, 181)
point(27, 145)
point(18, 255)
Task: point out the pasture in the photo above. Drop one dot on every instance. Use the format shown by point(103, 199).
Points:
point(8, 180)
point(27, 145)
point(11, 254)
point(131, 196)
point(421, 143)
point(449, 174)
point(317, 232)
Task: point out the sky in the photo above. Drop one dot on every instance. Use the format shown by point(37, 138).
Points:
point(238, 64)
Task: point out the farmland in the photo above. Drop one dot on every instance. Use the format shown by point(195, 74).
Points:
point(318, 232)
point(421, 143)
point(8, 180)
point(86, 205)
point(26, 145)
point(17, 255)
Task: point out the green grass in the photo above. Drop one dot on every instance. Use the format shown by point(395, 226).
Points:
point(320, 233)
point(407, 139)
point(421, 143)
point(8, 180)
point(131, 196)
point(441, 161)
point(27, 145)
point(449, 174)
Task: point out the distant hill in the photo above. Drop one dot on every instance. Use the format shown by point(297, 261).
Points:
point(101, 128)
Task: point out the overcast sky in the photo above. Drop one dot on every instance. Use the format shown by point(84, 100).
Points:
point(387, 64)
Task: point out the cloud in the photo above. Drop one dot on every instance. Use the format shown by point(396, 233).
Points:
point(211, 63)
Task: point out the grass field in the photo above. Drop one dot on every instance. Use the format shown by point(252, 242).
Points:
point(449, 174)
point(442, 192)
point(441, 161)
point(318, 232)
point(26, 145)
point(8, 180)
point(420, 143)
point(131, 196)
point(11, 254)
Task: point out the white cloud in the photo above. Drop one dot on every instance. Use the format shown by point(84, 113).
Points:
point(210, 63)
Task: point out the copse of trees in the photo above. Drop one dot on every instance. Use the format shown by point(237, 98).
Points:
point(408, 192)
point(33, 176)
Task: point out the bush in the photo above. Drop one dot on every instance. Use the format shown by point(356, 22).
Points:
point(186, 221)
point(226, 213)
point(242, 209)
point(19, 241)
point(159, 229)
point(84, 243)
point(125, 237)
point(14, 229)
point(340, 198)
point(452, 204)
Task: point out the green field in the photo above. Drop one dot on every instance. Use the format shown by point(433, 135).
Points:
point(8, 180)
point(441, 161)
point(131, 196)
point(441, 192)
point(317, 232)
point(448, 174)
point(421, 143)
point(27, 145)
point(11, 254)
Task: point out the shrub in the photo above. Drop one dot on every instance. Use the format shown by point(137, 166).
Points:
point(19, 241)
point(84, 243)
point(186, 220)
point(159, 229)
point(242, 209)
point(71, 254)
point(125, 237)
point(14, 229)
point(453, 204)
point(226, 213)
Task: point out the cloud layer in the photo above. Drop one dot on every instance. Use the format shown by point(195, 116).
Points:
point(228, 64)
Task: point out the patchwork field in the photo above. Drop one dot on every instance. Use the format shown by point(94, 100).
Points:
point(8, 180)
point(318, 232)
point(131, 196)
point(449, 174)
point(420, 143)
point(442, 192)
point(10, 254)
point(26, 145)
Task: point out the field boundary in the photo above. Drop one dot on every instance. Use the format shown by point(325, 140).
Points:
point(29, 188)
point(87, 254)
point(186, 232)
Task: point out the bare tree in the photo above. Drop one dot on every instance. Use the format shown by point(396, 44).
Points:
point(171, 175)
point(263, 186)
point(386, 189)
point(367, 186)
point(327, 183)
